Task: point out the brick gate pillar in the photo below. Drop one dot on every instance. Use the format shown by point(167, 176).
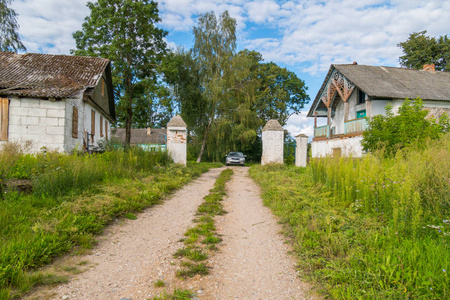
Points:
point(177, 140)
point(273, 143)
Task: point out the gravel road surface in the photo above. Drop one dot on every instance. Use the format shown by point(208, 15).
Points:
point(252, 261)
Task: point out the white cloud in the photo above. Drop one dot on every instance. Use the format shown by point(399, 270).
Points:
point(304, 35)
point(262, 11)
point(47, 25)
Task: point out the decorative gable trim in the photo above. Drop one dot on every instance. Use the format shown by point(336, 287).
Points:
point(337, 83)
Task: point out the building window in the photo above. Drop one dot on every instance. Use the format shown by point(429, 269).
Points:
point(361, 97)
point(106, 130)
point(101, 126)
point(92, 124)
point(4, 118)
point(361, 114)
point(75, 122)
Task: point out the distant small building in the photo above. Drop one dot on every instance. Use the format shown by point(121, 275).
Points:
point(149, 139)
point(59, 102)
point(351, 94)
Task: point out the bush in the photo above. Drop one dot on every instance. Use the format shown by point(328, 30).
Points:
point(410, 128)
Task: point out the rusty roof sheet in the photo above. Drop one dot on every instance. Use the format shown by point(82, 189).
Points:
point(140, 136)
point(48, 75)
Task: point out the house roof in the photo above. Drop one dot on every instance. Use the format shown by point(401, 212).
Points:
point(140, 136)
point(272, 125)
point(47, 75)
point(176, 121)
point(393, 83)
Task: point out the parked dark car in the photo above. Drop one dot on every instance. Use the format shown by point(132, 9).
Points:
point(235, 158)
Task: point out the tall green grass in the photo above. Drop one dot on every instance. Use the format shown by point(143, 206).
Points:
point(370, 228)
point(72, 199)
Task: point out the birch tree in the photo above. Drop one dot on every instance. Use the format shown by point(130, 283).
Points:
point(214, 47)
point(9, 37)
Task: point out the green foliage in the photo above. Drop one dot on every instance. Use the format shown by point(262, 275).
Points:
point(177, 295)
point(9, 37)
point(372, 228)
point(159, 283)
point(190, 270)
point(410, 128)
point(251, 93)
point(420, 49)
point(65, 210)
point(124, 31)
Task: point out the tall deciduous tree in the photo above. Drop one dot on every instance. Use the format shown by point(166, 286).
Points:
point(125, 32)
point(9, 38)
point(420, 49)
point(214, 47)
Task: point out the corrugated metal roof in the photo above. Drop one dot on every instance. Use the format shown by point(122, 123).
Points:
point(47, 75)
point(139, 136)
point(391, 82)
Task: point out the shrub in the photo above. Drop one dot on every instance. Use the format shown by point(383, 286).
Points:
point(410, 128)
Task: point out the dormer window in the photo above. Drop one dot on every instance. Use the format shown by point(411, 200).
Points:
point(361, 97)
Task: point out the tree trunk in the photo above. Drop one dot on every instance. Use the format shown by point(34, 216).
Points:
point(205, 137)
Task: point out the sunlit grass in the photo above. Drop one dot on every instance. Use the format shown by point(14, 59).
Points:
point(368, 228)
point(73, 198)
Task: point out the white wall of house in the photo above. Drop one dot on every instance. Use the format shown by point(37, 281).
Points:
point(352, 146)
point(37, 120)
point(49, 123)
point(348, 147)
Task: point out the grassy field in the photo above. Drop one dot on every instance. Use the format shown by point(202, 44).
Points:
point(370, 228)
point(73, 197)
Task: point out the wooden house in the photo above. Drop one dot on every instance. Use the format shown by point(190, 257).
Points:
point(59, 102)
point(149, 139)
point(350, 94)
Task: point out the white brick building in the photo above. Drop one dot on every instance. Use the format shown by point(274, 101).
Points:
point(59, 102)
point(350, 94)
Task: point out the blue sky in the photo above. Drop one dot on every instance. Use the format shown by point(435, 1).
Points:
point(304, 36)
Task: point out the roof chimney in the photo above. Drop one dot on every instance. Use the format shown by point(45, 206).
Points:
point(355, 63)
point(149, 131)
point(429, 68)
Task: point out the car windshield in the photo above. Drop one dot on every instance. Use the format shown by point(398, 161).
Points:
point(236, 154)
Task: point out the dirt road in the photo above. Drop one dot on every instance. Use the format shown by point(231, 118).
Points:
point(252, 261)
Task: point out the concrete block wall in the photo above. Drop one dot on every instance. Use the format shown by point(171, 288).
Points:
point(39, 121)
point(49, 123)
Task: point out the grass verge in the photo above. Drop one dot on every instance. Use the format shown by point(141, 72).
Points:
point(44, 224)
point(369, 228)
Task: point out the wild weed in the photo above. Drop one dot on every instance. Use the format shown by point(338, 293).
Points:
point(73, 198)
point(370, 228)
